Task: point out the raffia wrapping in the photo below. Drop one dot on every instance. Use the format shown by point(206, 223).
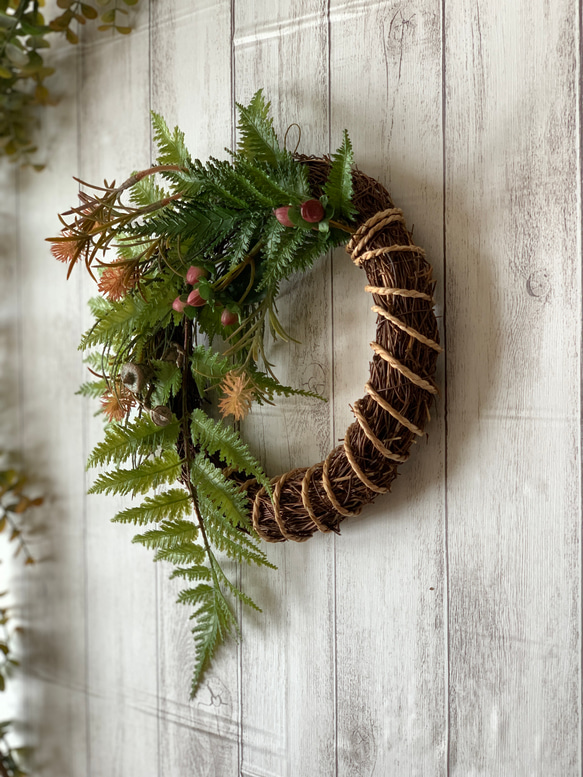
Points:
point(395, 409)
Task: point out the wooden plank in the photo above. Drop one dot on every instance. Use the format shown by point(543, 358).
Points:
point(385, 88)
point(288, 651)
point(121, 578)
point(11, 583)
point(191, 87)
point(514, 324)
point(49, 329)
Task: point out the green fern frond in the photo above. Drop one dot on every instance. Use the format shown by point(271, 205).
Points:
point(168, 381)
point(185, 553)
point(141, 437)
point(92, 388)
point(214, 622)
point(198, 595)
point(273, 192)
point(210, 482)
point(230, 540)
point(198, 572)
point(208, 366)
point(148, 475)
point(241, 242)
point(282, 263)
point(215, 437)
point(146, 192)
point(99, 306)
point(268, 387)
point(172, 151)
point(338, 187)
point(257, 138)
point(238, 186)
point(174, 504)
point(169, 534)
point(144, 312)
point(236, 591)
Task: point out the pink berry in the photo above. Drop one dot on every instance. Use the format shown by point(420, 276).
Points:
point(178, 305)
point(195, 300)
point(312, 211)
point(228, 318)
point(281, 214)
point(194, 274)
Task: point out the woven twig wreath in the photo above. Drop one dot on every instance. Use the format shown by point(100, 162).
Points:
point(395, 409)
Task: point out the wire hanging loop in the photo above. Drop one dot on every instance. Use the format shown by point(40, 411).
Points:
point(299, 137)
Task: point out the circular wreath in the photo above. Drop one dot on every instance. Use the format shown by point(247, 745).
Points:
point(400, 389)
point(205, 258)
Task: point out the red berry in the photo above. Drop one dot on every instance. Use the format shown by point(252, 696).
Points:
point(312, 211)
point(195, 300)
point(281, 214)
point(194, 274)
point(228, 318)
point(178, 305)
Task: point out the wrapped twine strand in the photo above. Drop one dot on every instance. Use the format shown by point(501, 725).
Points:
point(395, 409)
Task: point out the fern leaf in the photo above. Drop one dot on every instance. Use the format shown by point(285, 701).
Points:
point(171, 504)
point(195, 596)
point(236, 591)
point(169, 534)
point(92, 388)
point(146, 192)
point(257, 138)
point(99, 306)
point(168, 381)
point(338, 187)
point(184, 553)
point(215, 437)
point(228, 539)
point(198, 572)
point(272, 192)
point(143, 312)
point(149, 475)
point(269, 387)
point(171, 147)
point(210, 482)
point(141, 437)
point(208, 365)
point(214, 622)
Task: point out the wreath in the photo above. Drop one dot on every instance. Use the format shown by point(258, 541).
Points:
point(201, 259)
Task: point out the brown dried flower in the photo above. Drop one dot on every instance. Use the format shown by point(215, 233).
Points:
point(116, 280)
point(239, 393)
point(117, 404)
point(65, 249)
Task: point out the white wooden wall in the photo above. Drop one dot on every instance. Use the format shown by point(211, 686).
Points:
point(441, 633)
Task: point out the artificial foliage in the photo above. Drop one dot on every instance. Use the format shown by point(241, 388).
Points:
point(25, 33)
point(189, 258)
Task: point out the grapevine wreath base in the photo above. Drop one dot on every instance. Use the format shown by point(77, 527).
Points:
point(395, 409)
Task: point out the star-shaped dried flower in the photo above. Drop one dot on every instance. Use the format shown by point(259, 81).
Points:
point(239, 393)
point(117, 404)
point(116, 281)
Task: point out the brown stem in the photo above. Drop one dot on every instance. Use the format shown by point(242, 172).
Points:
point(343, 227)
point(186, 439)
point(133, 179)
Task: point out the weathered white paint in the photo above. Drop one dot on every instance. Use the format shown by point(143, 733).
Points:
point(440, 634)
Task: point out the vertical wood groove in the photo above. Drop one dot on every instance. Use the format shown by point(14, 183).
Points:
point(579, 113)
point(445, 405)
point(79, 62)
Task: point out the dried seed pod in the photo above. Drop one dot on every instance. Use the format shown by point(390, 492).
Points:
point(133, 377)
point(174, 353)
point(161, 415)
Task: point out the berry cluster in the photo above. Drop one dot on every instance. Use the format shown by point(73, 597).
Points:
point(195, 300)
point(310, 212)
